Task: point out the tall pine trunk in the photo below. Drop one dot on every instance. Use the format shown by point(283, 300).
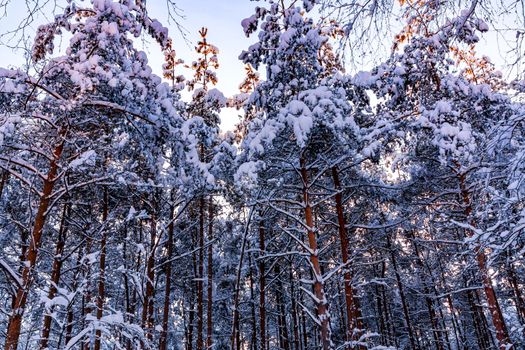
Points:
point(193, 291)
point(262, 287)
point(319, 292)
point(70, 310)
point(235, 338)
point(209, 310)
point(353, 312)
point(102, 267)
point(402, 295)
point(148, 307)
point(253, 317)
point(518, 293)
point(284, 339)
point(294, 311)
point(498, 321)
point(127, 287)
point(19, 304)
point(200, 280)
point(167, 290)
point(438, 341)
point(87, 295)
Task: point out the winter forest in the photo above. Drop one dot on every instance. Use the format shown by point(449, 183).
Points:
point(370, 196)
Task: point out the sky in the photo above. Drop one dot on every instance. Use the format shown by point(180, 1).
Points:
point(223, 20)
point(221, 17)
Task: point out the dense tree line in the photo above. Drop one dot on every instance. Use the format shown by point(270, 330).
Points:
point(381, 209)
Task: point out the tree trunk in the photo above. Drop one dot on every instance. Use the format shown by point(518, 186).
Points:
point(200, 280)
point(321, 301)
point(381, 314)
point(102, 268)
point(253, 318)
point(86, 307)
point(281, 309)
point(167, 290)
point(15, 320)
point(402, 295)
point(191, 313)
point(487, 334)
point(518, 296)
point(86, 297)
point(209, 311)
point(134, 299)
point(147, 307)
point(455, 322)
point(305, 333)
point(386, 314)
point(70, 314)
point(262, 287)
point(353, 313)
point(55, 275)
point(294, 311)
point(236, 334)
point(127, 289)
point(191, 321)
point(481, 337)
point(438, 341)
point(498, 321)
point(3, 181)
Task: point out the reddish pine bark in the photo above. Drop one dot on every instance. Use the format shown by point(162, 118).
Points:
point(353, 312)
point(321, 302)
point(498, 321)
point(15, 320)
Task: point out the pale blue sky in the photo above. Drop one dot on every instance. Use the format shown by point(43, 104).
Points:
point(222, 18)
